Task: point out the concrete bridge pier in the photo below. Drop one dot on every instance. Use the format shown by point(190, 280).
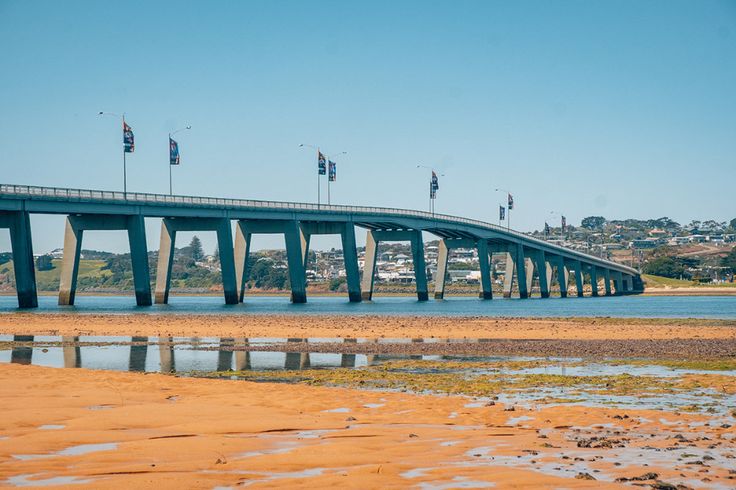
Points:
point(169, 228)
point(563, 275)
point(445, 246)
point(579, 282)
point(373, 238)
point(72, 352)
point(166, 354)
point(346, 230)
point(484, 259)
point(538, 261)
point(74, 231)
point(19, 224)
point(618, 286)
point(515, 262)
point(296, 237)
point(594, 280)
point(607, 281)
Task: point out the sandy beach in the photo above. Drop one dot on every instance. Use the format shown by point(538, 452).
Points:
point(122, 430)
point(384, 427)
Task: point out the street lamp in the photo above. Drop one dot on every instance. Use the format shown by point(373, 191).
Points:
point(125, 173)
point(173, 144)
point(510, 206)
point(433, 185)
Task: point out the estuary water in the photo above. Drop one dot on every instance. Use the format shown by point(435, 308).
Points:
point(716, 307)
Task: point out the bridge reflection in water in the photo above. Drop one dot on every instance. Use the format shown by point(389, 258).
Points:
point(172, 355)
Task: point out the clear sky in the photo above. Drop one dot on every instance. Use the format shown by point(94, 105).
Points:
point(619, 108)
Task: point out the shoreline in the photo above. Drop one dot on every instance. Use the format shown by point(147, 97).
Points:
point(365, 326)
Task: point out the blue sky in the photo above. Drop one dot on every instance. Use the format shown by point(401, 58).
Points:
point(620, 108)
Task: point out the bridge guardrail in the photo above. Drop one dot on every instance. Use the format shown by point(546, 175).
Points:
point(149, 198)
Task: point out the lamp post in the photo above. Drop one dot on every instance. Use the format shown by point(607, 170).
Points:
point(557, 213)
point(432, 189)
point(171, 186)
point(125, 172)
point(510, 205)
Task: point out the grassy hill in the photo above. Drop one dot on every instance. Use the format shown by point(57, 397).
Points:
point(666, 282)
point(90, 271)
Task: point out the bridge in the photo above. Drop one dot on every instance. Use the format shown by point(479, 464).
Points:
point(527, 257)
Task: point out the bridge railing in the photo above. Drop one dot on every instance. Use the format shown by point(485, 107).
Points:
point(67, 194)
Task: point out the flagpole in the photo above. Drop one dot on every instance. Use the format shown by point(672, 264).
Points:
point(318, 186)
point(125, 167)
point(171, 186)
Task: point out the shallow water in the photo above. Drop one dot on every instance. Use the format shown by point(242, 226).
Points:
point(202, 356)
point(723, 307)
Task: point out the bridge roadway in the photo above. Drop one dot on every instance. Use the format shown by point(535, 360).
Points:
point(527, 258)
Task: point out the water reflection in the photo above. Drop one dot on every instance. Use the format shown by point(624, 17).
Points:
point(139, 354)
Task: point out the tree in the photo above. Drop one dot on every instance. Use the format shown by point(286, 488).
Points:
point(730, 260)
point(43, 263)
point(732, 224)
point(196, 249)
point(593, 222)
point(672, 267)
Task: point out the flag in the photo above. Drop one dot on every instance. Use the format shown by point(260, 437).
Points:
point(128, 142)
point(564, 224)
point(332, 168)
point(546, 228)
point(435, 184)
point(321, 163)
point(511, 202)
point(501, 213)
point(173, 152)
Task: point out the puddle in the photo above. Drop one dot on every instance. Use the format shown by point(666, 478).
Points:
point(70, 451)
point(31, 481)
point(337, 410)
point(51, 427)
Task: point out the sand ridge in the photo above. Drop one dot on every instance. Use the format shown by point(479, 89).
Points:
point(304, 326)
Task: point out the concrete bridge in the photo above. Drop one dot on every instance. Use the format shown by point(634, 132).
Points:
point(526, 257)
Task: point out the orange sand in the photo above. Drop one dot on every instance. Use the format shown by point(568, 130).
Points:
point(199, 433)
point(363, 326)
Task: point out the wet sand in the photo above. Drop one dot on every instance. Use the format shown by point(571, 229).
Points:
point(144, 431)
point(343, 326)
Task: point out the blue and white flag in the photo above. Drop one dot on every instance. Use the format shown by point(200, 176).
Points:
point(321, 163)
point(128, 141)
point(173, 152)
point(332, 167)
point(501, 213)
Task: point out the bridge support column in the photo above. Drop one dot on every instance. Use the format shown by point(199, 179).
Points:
point(296, 245)
point(607, 281)
point(529, 273)
point(369, 266)
point(563, 276)
point(618, 289)
point(447, 244)
point(484, 259)
point(544, 271)
point(19, 224)
point(350, 257)
point(373, 238)
point(515, 262)
point(169, 228)
point(441, 276)
point(579, 284)
point(420, 267)
point(241, 253)
point(594, 280)
point(73, 233)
